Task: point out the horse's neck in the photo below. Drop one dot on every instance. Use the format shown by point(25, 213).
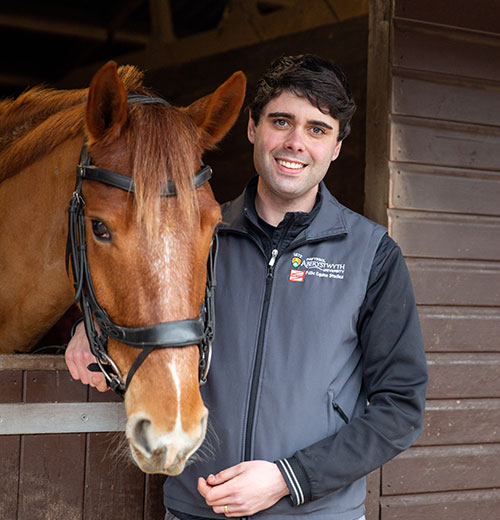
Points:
point(33, 221)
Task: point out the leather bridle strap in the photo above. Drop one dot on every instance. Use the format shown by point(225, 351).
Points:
point(86, 170)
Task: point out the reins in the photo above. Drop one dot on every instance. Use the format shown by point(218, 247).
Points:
point(197, 331)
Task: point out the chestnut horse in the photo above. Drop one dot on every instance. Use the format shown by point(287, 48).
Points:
point(147, 253)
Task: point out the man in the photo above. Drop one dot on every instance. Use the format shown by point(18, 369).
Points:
point(319, 371)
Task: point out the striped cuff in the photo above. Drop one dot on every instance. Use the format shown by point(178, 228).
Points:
point(296, 480)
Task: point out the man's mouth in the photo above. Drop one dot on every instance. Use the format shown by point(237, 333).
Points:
point(292, 165)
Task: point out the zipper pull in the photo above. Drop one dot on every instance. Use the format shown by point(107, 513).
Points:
point(271, 262)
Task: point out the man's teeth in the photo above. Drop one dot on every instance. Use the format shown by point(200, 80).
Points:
point(292, 165)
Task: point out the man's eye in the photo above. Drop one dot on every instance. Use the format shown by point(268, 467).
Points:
point(317, 130)
point(281, 122)
point(100, 230)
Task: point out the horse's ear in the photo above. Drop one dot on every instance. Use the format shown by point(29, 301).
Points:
point(216, 113)
point(106, 104)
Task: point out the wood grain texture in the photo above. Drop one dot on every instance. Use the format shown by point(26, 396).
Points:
point(460, 329)
point(465, 505)
point(445, 235)
point(450, 190)
point(461, 421)
point(463, 375)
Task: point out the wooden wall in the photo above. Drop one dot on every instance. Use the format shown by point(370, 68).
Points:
point(435, 167)
point(82, 474)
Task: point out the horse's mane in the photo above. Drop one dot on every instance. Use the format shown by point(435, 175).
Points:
point(40, 119)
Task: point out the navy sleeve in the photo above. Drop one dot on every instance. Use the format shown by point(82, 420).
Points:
point(395, 380)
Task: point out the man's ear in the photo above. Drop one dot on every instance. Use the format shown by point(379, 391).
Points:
point(336, 151)
point(251, 129)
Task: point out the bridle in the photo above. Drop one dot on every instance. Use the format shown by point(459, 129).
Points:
point(197, 331)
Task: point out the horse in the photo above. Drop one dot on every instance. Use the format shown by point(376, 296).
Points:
point(142, 244)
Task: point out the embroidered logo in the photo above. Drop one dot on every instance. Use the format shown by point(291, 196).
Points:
point(315, 266)
point(296, 276)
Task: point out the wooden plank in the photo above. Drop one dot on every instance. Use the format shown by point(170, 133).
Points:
point(449, 282)
point(11, 383)
point(376, 184)
point(44, 386)
point(446, 97)
point(480, 15)
point(461, 421)
point(372, 495)
point(461, 52)
point(32, 362)
point(153, 503)
point(434, 188)
point(51, 482)
point(478, 504)
point(27, 418)
point(444, 235)
point(114, 487)
point(463, 375)
point(442, 468)
point(428, 141)
point(9, 471)
point(455, 329)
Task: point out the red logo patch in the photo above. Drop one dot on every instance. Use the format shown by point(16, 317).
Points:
point(296, 276)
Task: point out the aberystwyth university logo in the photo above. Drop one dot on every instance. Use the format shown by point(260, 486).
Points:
point(314, 266)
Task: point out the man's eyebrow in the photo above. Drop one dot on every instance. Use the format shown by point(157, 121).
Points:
point(292, 117)
point(281, 114)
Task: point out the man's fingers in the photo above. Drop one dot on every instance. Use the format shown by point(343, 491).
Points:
point(78, 357)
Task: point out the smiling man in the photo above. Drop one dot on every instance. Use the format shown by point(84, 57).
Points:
point(318, 372)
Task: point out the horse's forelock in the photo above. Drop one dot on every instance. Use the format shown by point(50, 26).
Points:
point(164, 145)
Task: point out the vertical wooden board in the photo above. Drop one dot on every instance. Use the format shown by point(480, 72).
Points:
point(11, 385)
point(51, 480)
point(114, 486)
point(153, 503)
point(44, 386)
point(373, 495)
point(9, 475)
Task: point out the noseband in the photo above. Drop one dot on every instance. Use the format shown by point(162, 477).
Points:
point(198, 331)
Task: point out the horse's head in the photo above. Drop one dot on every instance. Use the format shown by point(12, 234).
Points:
point(148, 254)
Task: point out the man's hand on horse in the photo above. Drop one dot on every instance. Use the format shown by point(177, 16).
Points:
point(78, 358)
point(244, 489)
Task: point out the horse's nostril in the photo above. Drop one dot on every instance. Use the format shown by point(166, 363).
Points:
point(141, 435)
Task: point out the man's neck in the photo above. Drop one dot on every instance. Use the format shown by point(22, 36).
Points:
point(272, 209)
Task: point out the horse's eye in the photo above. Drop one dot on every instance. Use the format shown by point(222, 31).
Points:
point(100, 230)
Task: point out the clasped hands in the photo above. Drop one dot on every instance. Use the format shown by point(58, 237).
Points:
point(244, 489)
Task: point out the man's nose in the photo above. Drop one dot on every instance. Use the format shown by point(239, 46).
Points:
point(295, 141)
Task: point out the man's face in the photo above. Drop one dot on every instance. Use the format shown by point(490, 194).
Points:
point(294, 144)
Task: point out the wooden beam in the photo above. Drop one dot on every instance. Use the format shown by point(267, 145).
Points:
point(35, 418)
point(76, 30)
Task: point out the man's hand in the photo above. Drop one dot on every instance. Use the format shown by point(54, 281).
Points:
point(244, 489)
point(78, 358)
